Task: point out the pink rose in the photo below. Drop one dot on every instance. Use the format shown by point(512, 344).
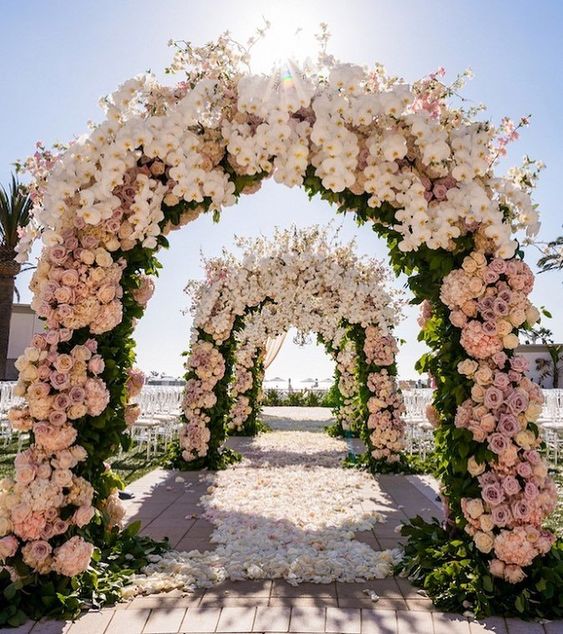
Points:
point(92, 345)
point(531, 491)
point(57, 418)
point(501, 515)
point(39, 341)
point(524, 469)
point(493, 494)
point(508, 425)
point(58, 254)
point(510, 485)
point(521, 510)
point(514, 574)
point(8, 547)
point(501, 380)
point(532, 456)
point(69, 277)
point(498, 265)
point(519, 363)
point(498, 443)
point(96, 364)
point(77, 395)
point(490, 276)
point(497, 568)
point(493, 397)
point(73, 557)
point(83, 515)
point(500, 358)
point(61, 401)
point(518, 401)
point(60, 380)
point(63, 363)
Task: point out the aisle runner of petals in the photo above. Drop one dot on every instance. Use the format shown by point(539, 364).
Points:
point(289, 510)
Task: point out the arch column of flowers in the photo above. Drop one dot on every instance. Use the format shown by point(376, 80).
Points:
point(404, 159)
point(299, 278)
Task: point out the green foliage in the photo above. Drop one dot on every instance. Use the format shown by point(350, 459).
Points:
point(120, 554)
point(15, 213)
point(217, 461)
point(456, 577)
point(299, 398)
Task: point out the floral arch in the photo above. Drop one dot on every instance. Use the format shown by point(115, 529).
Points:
point(408, 163)
point(309, 280)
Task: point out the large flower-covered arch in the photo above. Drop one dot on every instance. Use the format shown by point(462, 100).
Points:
point(417, 169)
point(302, 278)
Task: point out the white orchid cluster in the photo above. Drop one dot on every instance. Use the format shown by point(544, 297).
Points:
point(305, 278)
point(360, 131)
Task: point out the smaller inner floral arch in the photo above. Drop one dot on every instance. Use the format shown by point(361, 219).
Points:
point(302, 278)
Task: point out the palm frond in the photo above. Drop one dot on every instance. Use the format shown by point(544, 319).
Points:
point(15, 212)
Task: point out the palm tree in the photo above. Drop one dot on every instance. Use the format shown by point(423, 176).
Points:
point(15, 212)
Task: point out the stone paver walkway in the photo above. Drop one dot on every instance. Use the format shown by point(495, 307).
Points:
point(168, 507)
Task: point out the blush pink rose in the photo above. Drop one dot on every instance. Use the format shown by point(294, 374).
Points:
point(8, 547)
point(73, 557)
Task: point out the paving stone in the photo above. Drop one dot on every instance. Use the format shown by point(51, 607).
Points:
point(420, 605)
point(200, 620)
point(236, 619)
point(414, 622)
point(380, 622)
point(304, 602)
point(553, 627)
point(307, 619)
point(164, 621)
point(445, 623)
point(249, 588)
point(272, 619)
point(158, 601)
point(186, 544)
point(25, 628)
point(91, 622)
point(368, 538)
point(517, 626)
point(343, 620)
point(363, 601)
point(200, 528)
point(387, 587)
point(281, 588)
point(408, 591)
point(130, 621)
point(388, 543)
point(494, 624)
point(220, 602)
point(48, 626)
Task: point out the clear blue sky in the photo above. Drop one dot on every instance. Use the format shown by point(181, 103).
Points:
point(59, 57)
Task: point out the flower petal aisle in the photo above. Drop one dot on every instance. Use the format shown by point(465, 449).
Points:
point(289, 510)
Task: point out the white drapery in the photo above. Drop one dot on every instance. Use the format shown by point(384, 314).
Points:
point(273, 346)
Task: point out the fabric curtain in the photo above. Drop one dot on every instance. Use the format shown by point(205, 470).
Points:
point(273, 346)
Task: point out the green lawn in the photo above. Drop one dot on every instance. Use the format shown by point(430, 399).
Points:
point(130, 465)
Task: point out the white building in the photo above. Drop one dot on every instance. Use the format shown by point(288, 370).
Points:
point(23, 326)
point(539, 352)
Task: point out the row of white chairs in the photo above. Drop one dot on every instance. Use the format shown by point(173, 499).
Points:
point(159, 422)
point(160, 405)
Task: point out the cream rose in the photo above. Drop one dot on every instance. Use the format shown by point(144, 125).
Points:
point(484, 541)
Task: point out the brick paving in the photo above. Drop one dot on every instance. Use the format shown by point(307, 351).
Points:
point(167, 504)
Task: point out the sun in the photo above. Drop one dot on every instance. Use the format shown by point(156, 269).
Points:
point(290, 37)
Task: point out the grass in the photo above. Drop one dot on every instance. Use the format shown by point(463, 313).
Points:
point(130, 465)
